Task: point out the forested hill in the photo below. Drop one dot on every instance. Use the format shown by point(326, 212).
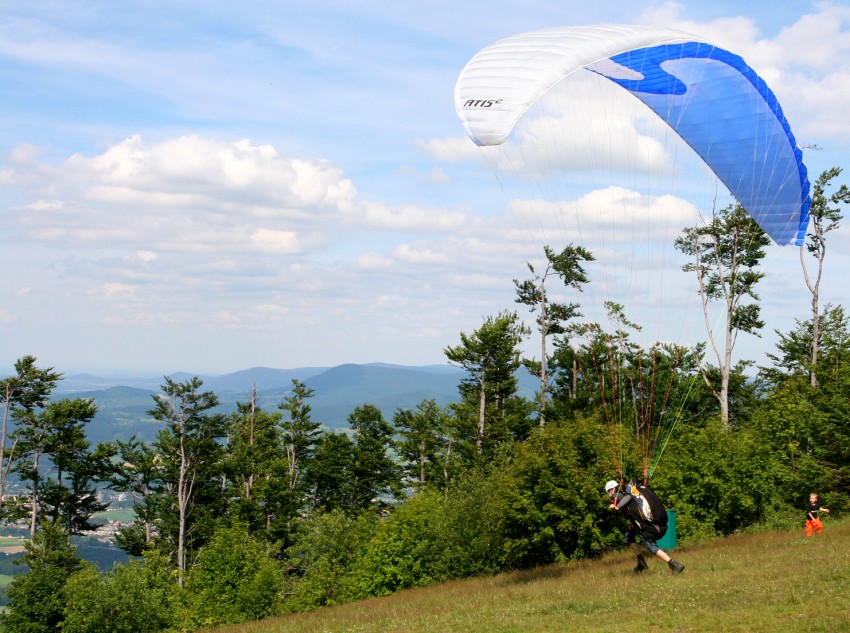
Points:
point(123, 403)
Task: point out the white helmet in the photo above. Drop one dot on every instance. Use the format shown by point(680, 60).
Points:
point(611, 484)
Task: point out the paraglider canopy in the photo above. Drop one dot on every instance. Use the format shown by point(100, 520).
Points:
point(710, 97)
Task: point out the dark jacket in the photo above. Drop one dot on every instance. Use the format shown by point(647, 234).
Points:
point(628, 505)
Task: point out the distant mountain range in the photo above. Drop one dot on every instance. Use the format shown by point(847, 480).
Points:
point(123, 403)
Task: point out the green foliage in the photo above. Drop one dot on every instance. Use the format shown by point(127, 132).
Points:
point(22, 395)
point(727, 252)
point(765, 583)
point(134, 598)
point(328, 472)
point(374, 473)
point(137, 472)
point(37, 598)
point(432, 537)
point(406, 550)
point(720, 481)
point(472, 523)
point(551, 315)
point(423, 445)
point(55, 462)
point(29, 387)
point(825, 212)
point(490, 407)
point(234, 579)
point(810, 426)
point(829, 440)
point(553, 509)
point(355, 473)
point(190, 465)
point(323, 560)
point(794, 348)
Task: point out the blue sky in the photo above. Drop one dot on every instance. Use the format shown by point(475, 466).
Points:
point(211, 186)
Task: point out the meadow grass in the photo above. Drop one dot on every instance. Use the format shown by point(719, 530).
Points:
point(122, 516)
point(765, 582)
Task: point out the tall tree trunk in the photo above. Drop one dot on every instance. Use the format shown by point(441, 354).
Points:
point(183, 491)
point(34, 500)
point(722, 396)
point(544, 379)
point(814, 288)
point(482, 407)
point(4, 468)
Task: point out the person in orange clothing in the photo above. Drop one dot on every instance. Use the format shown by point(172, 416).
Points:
point(813, 522)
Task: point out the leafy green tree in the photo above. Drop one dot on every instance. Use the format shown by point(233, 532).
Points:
point(355, 473)
point(727, 252)
point(719, 480)
point(374, 474)
point(824, 216)
point(22, 394)
point(423, 434)
point(550, 496)
point(299, 434)
point(37, 598)
point(781, 424)
point(254, 466)
point(793, 355)
point(138, 473)
point(551, 315)
point(134, 598)
point(190, 453)
point(828, 438)
point(51, 440)
point(406, 549)
point(472, 522)
point(235, 579)
point(431, 537)
point(807, 426)
point(71, 497)
point(299, 430)
point(329, 473)
point(637, 394)
point(324, 559)
point(491, 357)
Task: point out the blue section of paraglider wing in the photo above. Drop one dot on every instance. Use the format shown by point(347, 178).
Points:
point(731, 118)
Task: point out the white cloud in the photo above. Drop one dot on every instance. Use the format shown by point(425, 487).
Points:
point(186, 194)
point(450, 149)
point(273, 241)
point(411, 217)
point(373, 260)
point(419, 255)
point(116, 290)
point(193, 172)
point(609, 209)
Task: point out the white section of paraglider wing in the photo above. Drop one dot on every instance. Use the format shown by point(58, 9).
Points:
point(502, 80)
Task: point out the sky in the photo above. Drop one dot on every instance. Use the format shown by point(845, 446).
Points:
point(210, 186)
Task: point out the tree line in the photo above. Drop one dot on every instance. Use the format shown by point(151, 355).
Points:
point(260, 512)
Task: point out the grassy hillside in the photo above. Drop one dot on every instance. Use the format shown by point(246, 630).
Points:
point(755, 583)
